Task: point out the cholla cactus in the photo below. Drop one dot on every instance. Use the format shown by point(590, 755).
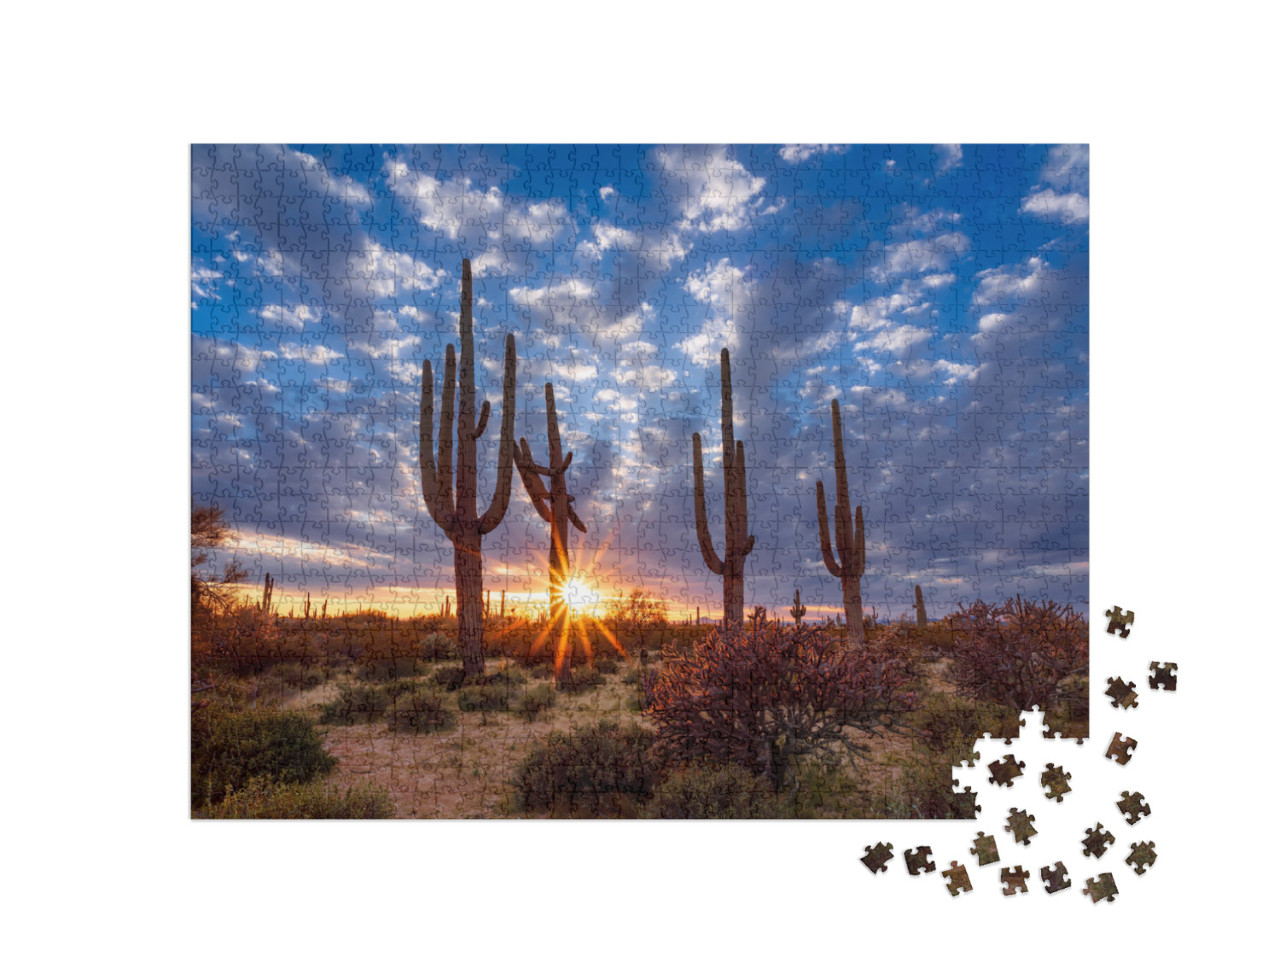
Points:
point(452, 502)
point(850, 540)
point(737, 543)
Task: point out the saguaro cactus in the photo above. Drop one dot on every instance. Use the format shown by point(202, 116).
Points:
point(451, 501)
point(268, 584)
point(555, 506)
point(798, 610)
point(737, 543)
point(922, 621)
point(850, 539)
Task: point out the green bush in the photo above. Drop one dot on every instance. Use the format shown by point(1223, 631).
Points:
point(535, 700)
point(356, 704)
point(437, 647)
point(950, 724)
point(387, 670)
point(450, 676)
point(420, 709)
point(600, 770)
point(484, 698)
point(230, 747)
point(713, 791)
point(268, 799)
point(298, 676)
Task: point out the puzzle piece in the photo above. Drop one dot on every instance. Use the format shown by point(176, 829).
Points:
point(1055, 880)
point(918, 861)
point(1134, 806)
point(1122, 694)
point(1015, 880)
point(1104, 887)
point(1055, 781)
point(1163, 675)
point(1119, 621)
point(877, 859)
point(957, 879)
point(1003, 773)
point(1096, 841)
point(1141, 856)
point(966, 802)
point(1019, 823)
point(1121, 748)
point(984, 847)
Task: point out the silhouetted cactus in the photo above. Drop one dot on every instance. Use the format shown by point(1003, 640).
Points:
point(452, 503)
point(850, 539)
point(922, 621)
point(555, 506)
point(798, 610)
point(268, 584)
point(737, 543)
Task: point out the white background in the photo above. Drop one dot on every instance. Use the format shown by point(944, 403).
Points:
point(102, 103)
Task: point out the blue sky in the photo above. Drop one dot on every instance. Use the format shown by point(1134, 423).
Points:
point(940, 293)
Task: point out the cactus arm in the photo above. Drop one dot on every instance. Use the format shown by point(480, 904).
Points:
point(700, 511)
point(824, 533)
point(577, 522)
point(444, 463)
point(506, 443)
point(435, 490)
point(483, 423)
point(529, 474)
point(748, 542)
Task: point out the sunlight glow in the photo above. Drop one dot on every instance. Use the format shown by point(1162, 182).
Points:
point(580, 596)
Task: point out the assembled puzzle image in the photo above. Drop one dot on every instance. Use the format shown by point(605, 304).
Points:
point(625, 481)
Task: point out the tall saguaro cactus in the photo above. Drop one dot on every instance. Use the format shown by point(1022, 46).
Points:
point(451, 501)
point(922, 620)
point(555, 506)
point(851, 542)
point(737, 543)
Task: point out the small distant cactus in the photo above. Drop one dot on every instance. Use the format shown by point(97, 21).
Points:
point(922, 621)
point(737, 543)
point(851, 542)
point(798, 610)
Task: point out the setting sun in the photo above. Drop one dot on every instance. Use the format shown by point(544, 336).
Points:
point(579, 596)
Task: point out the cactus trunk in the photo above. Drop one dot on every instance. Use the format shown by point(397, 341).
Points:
point(452, 503)
point(850, 537)
point(555, 507)
point(737, 543)
point(922, 621)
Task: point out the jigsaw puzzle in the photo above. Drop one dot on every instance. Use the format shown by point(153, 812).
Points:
point(1096, 841)
point(918, 861)
point(1014, 880)
point(1133, 806)
point(957, 879)
point(1104, 887)
point(522, 474)
point(1119, 621)
point(1141, 856)
point(877, 858)
point(1163, 676)
point(1055, 880)
point(1054, 780)
point(1121, 749)
point(1122, 694)
point(1020, 824)
point(985, 848)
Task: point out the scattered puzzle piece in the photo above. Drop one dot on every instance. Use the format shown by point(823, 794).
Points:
point(984, 847)
point(1055, 781)
point(1119, 622)
point(1055, 880)
point(1005, 772)
point(1141, 856)
point(1134, 806)
point(918, 860)
point(1096, 841)
point(877, 859)
point(1014, 880)
point(1123, 695)
point(957, 879)
point(1104, 887)
point(967, 801)
point(1121, 748)
point(1164, 676)
point(1019, 823)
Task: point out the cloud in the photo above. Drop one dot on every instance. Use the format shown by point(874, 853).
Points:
point(917, 256)
point(728, 293)
point(713, 191)
point(294, 317)
point(1065, 198)
point(1070, 208)
point(949, 157)
point(799, 153)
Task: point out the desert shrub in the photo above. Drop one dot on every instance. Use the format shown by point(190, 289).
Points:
point(269, 799)
point(607, 666)
point(298, 676)
point(631, 677)
point(231, 746)
point(713, 791)
point(387, 670)
point(437, 647)
point(827, 792)
point(766, 696)
point(534, 701)
point(484, 698)
point(599, 770)
point(583, 677)
point(541, 670)
point(951, 724)
point(1015, 654)
point(450, 677)
point(420, 709)
point(356, 704)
